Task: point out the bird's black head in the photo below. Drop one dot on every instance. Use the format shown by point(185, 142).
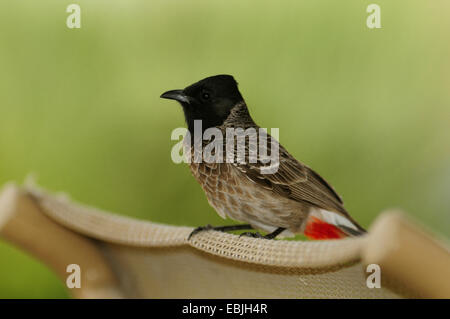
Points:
point(209, 100)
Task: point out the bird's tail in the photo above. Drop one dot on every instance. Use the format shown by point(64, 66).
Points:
point(322, 224)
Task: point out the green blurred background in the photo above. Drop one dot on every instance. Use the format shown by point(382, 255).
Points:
point(368, 109)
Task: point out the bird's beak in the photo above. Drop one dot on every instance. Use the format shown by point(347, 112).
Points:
point(177, 95)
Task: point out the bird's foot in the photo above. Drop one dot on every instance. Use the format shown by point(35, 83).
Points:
point(271, 235)
point(253, 235)
point(200, 229)
point(219, 228)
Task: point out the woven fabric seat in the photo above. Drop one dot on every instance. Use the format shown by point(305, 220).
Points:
point(122, 257)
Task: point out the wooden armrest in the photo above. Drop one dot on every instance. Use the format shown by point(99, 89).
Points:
point(408, 256)
point(23, 224)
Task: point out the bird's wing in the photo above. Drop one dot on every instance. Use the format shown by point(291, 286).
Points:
point(294, 180)
point(300, 183)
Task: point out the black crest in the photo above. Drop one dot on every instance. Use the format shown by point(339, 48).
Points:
point(209, 100)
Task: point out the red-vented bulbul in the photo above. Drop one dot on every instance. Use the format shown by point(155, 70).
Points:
point(293, 199)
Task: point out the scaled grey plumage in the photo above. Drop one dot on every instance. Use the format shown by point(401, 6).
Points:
point(283, 200)
point(265, 201)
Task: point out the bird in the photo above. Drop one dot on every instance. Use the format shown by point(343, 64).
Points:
point(293, 199)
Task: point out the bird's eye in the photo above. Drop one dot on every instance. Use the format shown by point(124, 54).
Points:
point(205, 95)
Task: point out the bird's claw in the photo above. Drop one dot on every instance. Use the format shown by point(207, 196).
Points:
point(252, 234)
point(200, 229)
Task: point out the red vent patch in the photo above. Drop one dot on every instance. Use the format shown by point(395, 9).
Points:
point(318, 229)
